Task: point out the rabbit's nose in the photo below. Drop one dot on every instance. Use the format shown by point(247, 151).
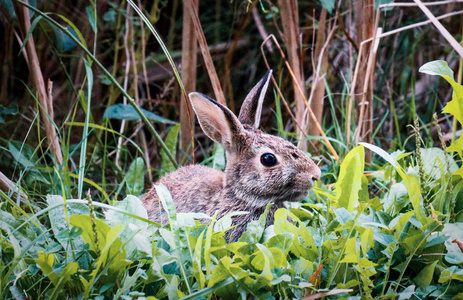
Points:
point(316, 174)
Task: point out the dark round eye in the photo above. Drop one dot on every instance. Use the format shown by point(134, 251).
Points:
point(268, 159)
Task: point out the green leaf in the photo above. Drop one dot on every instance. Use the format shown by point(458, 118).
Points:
point(451, 273)
point(64, 277)
point(197, 271)
point(352, 253)
point(367, 241)
point(281, 241)
point(127, 112)
point(303, 244)
point(91, 17)
point(328, 5)
point(219, 157)
point(255, 229)
point(88, 235)
point(264, 261)
point(424, 278)
point(135, 177)
point(435, 162)
point(58, 221)
point(410, 178)
point(166, 201)
point(302, 267)
point(455, 106)
point(225, 269)
point(453, 231)
point(350, 179)
point(437, 67)
point(22, 153)
point(11, 110)
point(63, 41)
point(45, 263)
point(135, 234)
point(171, 142)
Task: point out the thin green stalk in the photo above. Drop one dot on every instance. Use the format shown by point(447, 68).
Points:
point(388, 264)
point(448, 176)
point(420, 163)
point(338, 259)
point(412, 254)
point(110, 77)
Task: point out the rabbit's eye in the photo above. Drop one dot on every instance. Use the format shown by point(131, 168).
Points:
point(268, 159)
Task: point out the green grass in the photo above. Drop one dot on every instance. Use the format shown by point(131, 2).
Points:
point(385, 229)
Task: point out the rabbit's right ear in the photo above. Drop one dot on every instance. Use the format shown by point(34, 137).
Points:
point(217, 121)
point(251, 109)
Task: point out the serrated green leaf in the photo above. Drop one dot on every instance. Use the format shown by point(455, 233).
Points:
point(281, 241)
point(367, 241)
point(303, 244)
point(255, 229)
point(350, 179)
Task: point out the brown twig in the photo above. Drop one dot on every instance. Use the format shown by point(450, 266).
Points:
point(218, 92)
point(8, 186)
point(37, 78)
point(188, 73)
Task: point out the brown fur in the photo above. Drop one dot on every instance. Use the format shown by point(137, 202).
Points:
point(246, 184)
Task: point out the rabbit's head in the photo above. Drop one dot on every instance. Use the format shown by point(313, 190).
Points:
point(261, 168)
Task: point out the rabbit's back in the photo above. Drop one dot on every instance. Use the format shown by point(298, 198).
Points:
point(193, 188)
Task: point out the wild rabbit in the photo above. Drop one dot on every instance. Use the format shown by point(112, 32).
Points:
point(260, 169)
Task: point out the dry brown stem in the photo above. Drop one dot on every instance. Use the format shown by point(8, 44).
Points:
point(8, 186)
point(321, 65)
point(290, 23)
point(33, 64)
point(218, 92)
point(189, 62)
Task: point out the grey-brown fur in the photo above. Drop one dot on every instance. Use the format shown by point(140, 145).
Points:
point(246, 184)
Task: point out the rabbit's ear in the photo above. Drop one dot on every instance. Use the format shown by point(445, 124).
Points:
point(251, 109)
point(217, 121)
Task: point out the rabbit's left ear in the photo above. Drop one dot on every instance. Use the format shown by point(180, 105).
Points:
point(251, 109)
